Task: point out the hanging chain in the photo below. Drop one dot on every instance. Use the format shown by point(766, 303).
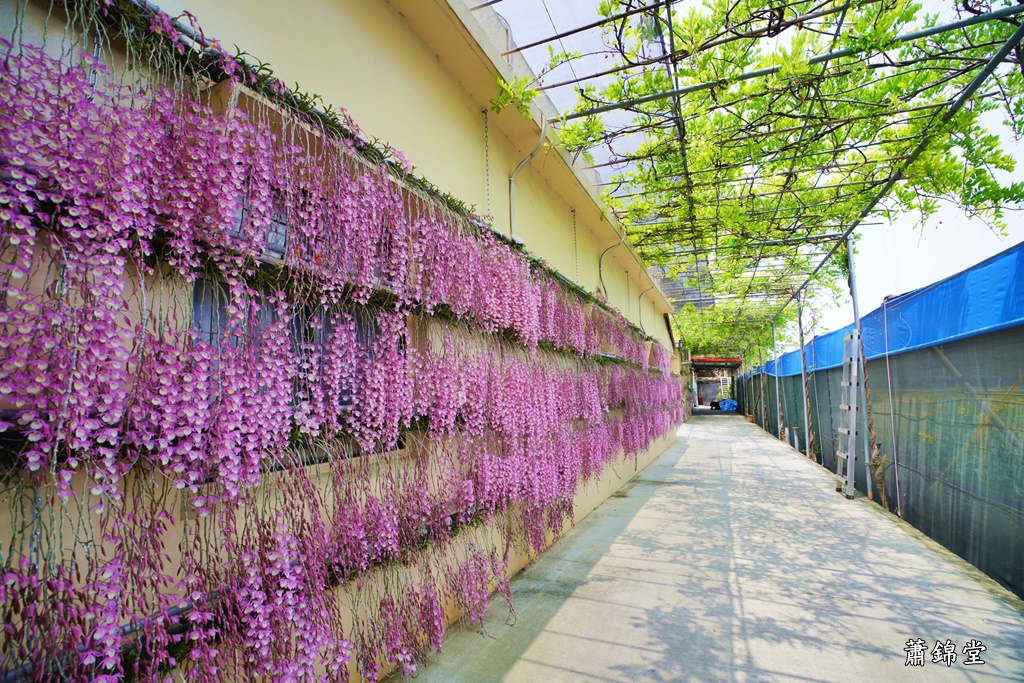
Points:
point(575, 250)
point(629, 297)
point(94, 74)
point(487, 161)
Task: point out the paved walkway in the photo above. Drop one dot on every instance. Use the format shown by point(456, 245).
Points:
point(731, 558)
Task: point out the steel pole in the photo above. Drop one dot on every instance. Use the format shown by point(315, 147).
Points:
point(862, 378)
point(803, 377)
point(778, 400)
point(760, 394)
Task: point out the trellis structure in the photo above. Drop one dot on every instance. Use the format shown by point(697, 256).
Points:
point(743, 142)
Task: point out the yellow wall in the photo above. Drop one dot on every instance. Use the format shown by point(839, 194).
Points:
point(411, 73)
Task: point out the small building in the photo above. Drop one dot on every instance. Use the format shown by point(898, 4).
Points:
point(713, 379)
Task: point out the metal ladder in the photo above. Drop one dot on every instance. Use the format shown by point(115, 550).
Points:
point(846, 452)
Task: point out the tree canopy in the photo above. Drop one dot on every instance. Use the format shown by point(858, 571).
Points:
point(746, 138)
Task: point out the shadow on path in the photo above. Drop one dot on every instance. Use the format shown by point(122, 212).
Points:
point(731, 558)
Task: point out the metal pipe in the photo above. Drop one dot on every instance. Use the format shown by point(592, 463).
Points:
point(820, 59)
point(778, 393)
point(600, 262)
point(817, 405)
point(587, 27)
point(748, 321)
point(769, 243)
point(484, 4)
point(726, 167)
point(862, 375)
point(892, 409)
point(747, 197)
point(640, 307)
point(761, 394)
point(803, 378)
point(666, 229)
point(512, 178)
point(670, 189)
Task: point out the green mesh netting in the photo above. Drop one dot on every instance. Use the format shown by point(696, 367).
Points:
point(950, 435)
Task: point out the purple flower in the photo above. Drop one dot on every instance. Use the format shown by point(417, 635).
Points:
point(162, 23)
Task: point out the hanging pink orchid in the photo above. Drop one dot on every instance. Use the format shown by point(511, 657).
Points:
point(311, 372)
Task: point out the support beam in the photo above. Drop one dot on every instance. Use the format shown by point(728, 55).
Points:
point(861, 390)
point(778, 390)
point(580, 29)
point(769, 243)
point(892, 411)
point(954, 108)
point(761, 393)
point(803, 377)
point(671, 189)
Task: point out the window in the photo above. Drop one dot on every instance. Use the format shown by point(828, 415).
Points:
point(210, 318)
point(278, 233)
point(366, 334)
point(313, 330)
point(276, 236)
point(209, 310)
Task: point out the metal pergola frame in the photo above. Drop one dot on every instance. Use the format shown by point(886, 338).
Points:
point(751, 207)
point(743, 181)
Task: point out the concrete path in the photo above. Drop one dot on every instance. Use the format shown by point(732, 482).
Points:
point(731, 558)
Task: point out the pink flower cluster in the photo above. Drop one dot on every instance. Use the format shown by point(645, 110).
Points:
point(532, 426)
point(660, 359)
point(197, 306)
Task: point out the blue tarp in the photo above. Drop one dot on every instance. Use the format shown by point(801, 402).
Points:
point(982, 299)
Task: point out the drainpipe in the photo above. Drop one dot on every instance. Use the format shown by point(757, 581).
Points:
point(640, 307)
point(512, 178)
point(671, 334)
point(600, 262)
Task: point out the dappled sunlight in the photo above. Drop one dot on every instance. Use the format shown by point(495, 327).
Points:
point(732, 558)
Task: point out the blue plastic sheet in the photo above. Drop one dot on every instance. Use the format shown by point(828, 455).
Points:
point(982, 299)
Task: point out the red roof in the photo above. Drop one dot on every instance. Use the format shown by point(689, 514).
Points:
point(737, 361)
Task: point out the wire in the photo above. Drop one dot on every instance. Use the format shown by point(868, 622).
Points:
point(547, 11)
point(892, 408)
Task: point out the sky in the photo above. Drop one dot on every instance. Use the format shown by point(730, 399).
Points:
point(897, 258)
